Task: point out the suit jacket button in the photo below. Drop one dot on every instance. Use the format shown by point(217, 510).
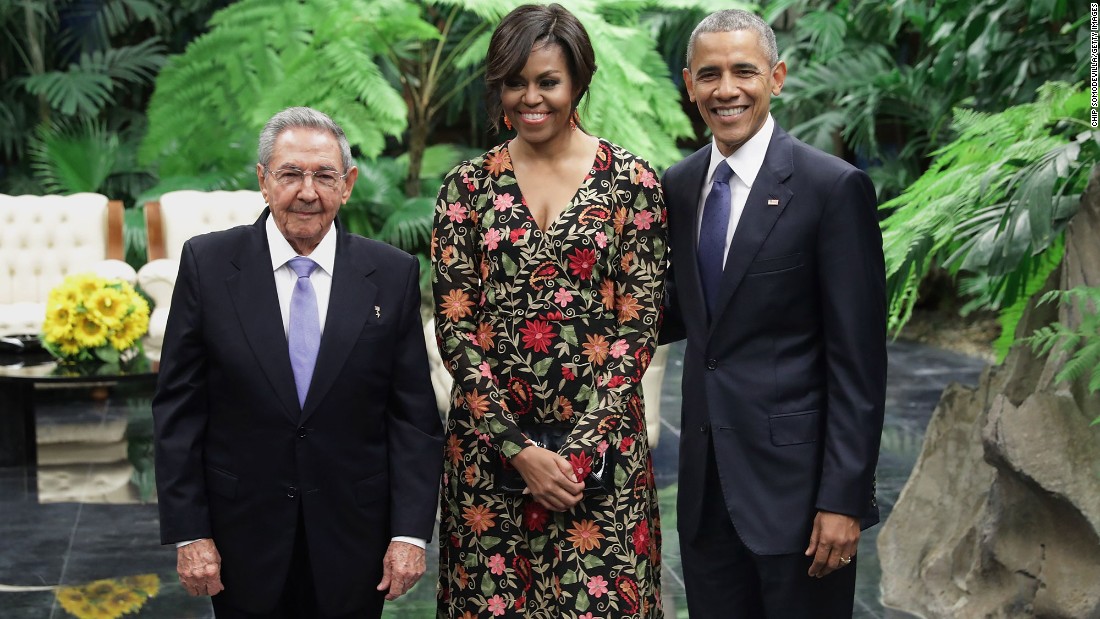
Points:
point(704, 428)
point(712, 364)
point(301, 432)
point(291, 492)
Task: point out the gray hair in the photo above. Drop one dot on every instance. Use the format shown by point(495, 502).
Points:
point(301, 117)
point(732, 20)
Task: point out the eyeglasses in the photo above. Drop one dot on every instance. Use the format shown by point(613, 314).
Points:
point(293, 177)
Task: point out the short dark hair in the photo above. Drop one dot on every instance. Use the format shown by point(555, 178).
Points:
point(733, 20)
point(518, 33)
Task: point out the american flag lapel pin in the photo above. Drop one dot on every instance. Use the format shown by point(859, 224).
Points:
point(377, 312)
point(773, 201)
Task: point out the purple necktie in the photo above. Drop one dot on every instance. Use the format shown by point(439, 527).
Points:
point(304, 334)
point(712, 234)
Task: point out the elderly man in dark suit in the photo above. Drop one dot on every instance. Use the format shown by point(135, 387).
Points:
point(777, 283)
point(298, 447)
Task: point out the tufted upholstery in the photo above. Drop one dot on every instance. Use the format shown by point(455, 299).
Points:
point(179, 216)
point(45, 238)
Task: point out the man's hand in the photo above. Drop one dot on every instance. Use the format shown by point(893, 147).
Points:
point(402, 566)
point(549, 477)
point(833, 542)
point(200, 567)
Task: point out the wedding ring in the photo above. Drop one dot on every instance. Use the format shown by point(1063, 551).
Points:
point(845, 560)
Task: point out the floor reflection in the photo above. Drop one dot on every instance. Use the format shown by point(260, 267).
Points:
point(95, 449)
point(86, 519)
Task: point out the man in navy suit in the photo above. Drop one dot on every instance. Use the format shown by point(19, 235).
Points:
point(298, 447)
point(778, 285)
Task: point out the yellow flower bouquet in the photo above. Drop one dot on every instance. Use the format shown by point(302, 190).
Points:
point(109, 598)
point(91, 318)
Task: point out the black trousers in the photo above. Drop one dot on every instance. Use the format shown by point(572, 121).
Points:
point(299, 597)
point(724, 579)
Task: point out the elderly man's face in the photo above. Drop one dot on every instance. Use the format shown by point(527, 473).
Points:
point(303, 206)
point(731, 81)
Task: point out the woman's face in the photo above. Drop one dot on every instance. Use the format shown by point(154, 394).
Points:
point(539, 101)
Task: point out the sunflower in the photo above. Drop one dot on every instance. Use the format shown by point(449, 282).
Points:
point(86, 313)
point(108, 306)
point(89, 333)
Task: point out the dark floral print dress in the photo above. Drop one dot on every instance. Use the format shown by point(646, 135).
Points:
point(553, 326)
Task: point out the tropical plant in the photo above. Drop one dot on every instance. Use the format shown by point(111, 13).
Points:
point(879, 79)
point(994, 203)
point(261, 56)
point(61, 75)
point(386, 70)
point(1081, 344)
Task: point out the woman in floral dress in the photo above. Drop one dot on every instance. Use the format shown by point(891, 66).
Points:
point(548, 264)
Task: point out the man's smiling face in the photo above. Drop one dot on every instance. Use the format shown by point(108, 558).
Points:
point(732, 82)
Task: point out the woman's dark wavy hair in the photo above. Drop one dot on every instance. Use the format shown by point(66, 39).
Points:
point(515, 37)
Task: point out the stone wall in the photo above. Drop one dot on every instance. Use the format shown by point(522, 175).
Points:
point(1001, 514)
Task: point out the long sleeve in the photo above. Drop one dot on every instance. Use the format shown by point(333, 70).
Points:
point(457, 287)
point(634, 293)
point(853, 302)
point(180, 414)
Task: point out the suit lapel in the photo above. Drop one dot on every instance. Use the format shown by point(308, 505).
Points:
point(695, 171)
point(252, 290)
point(767, 200)
point(352, 296)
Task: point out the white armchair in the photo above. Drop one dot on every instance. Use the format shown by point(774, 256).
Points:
point(178, 216)
point(45, 238)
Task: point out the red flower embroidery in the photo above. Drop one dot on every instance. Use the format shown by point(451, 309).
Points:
point(535, 516)
point(537, 335)
point(582, 464)
point(640, 538)
point(581, 262)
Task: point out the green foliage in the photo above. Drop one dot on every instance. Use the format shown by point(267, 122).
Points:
point(261, 56)
point(1083, 342)
point(393, 69)
point(633, 100)
point(73, 81)
point(984, 292)
point(379, 207)
point(53, 76)
point(880, 79)
point(994, 201)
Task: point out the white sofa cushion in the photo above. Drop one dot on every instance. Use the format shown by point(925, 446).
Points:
point(43, 239)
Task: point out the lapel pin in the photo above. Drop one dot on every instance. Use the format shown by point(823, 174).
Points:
point(773, 201)
point(377, 312)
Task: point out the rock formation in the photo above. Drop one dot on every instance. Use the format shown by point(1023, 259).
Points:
point(1001, 515)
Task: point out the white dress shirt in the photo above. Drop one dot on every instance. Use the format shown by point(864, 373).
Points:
point(321, 278)
point(745, 163)
point(285, 277)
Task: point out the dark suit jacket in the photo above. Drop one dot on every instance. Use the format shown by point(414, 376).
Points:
point(789, 377)
point(235, 454)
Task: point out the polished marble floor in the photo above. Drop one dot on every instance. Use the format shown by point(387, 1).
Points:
point(78, 535)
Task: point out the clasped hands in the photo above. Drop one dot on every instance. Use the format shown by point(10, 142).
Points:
point(549, 478)
point(199, 567)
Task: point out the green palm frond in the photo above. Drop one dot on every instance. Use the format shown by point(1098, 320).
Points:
point(72, 91)
point(993, 200)
point(261, 56)
point(1081, 342)
point(410, 226)
point(71, 159)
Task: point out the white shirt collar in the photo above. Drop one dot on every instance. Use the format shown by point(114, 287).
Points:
point(281, 251)
point(746, 160)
